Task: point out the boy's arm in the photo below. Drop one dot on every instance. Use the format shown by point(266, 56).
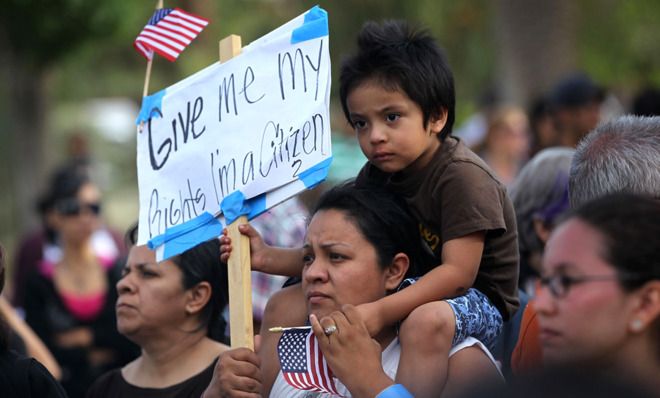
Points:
point(460, 262)
point(265, 258)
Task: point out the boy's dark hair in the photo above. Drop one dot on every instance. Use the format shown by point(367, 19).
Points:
point(384, 220)
point(202, 263)
point(402, 58)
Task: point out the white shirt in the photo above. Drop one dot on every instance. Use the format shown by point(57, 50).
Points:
point(389, 359)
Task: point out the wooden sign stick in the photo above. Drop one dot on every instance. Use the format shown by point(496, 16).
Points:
point(238, 271)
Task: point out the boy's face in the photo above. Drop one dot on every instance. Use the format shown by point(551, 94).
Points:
point(390, 128)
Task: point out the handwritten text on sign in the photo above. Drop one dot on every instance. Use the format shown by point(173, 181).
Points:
point(251, 124)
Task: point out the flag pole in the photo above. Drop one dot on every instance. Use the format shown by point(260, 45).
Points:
point(147, 76)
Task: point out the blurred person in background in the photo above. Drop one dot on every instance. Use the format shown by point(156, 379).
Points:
point(647, 102)
point(540, 197)
point(622, 155)
point(575, 104)
point(474, 129)
point(599, 304)
point(20, 376)
point(506, 145)
point(43, 244)
point(70, 302)
point(541, 126)
point(172, 310)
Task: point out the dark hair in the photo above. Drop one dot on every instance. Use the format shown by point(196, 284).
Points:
point(384, 221)
point(202, 264)
point(630, 225)
point(402, 58)
point(63, 186)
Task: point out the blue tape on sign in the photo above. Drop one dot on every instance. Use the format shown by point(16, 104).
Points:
point(149, 103)
point(257, 206)
point(315, 25)
point(395, 391)
point(233, 206)
point(187, 235)
point(315, 174)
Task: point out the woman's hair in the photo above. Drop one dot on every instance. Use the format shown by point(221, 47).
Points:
point(63, 186)
point(384, 221)
point(630, 226)
point(540, 192)
point(202, 264)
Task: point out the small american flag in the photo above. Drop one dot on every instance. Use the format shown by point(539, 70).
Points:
point(302, 362)
point(168, 32)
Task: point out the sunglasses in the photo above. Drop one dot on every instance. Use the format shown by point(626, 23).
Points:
point(73, 208)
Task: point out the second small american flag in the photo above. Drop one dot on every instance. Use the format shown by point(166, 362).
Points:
point(302, 362)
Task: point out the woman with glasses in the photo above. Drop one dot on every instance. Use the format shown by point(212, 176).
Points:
point(70, 302)
point(599, 301)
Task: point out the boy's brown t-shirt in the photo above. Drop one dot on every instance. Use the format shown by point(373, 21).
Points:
point(456, 195)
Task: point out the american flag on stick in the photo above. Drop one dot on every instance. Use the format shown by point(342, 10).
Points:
point(302, 362)
point(168, 32)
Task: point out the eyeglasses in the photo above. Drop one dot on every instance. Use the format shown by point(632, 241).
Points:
point(73, 208)
point(559, 284)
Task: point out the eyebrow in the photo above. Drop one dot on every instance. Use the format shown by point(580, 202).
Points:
point(327, 245)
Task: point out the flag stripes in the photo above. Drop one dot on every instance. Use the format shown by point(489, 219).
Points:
point(302, 362)
point(168, 33)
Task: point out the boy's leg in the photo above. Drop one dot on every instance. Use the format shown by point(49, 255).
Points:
point(426, 338)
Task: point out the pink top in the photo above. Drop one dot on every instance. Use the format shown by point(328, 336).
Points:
point(83, 307)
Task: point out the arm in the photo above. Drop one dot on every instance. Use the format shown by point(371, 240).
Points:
point(265, 258)
point(460, 263)
point(33, 344)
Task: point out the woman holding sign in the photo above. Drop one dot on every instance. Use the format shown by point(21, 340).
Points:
point(359, 247)
point(171, 309)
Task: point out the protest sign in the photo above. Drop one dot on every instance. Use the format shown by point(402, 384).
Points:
point(235, 138)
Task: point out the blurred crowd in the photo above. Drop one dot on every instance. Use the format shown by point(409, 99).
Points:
point(67, 275)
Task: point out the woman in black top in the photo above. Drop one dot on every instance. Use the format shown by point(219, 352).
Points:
point(171, 309)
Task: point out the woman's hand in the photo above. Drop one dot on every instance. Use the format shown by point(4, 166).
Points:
point(351, 353)
point(258, 248)
point(237, 374)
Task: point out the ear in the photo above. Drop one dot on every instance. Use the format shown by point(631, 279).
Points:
point(197, 297)
point(647, 307)
point(396, 271)
point(541, 230)
point(437, 123)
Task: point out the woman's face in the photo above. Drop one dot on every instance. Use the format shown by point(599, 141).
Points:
point(340, 265)
point(151, 295)
point(77, 218)
point(590, 322)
